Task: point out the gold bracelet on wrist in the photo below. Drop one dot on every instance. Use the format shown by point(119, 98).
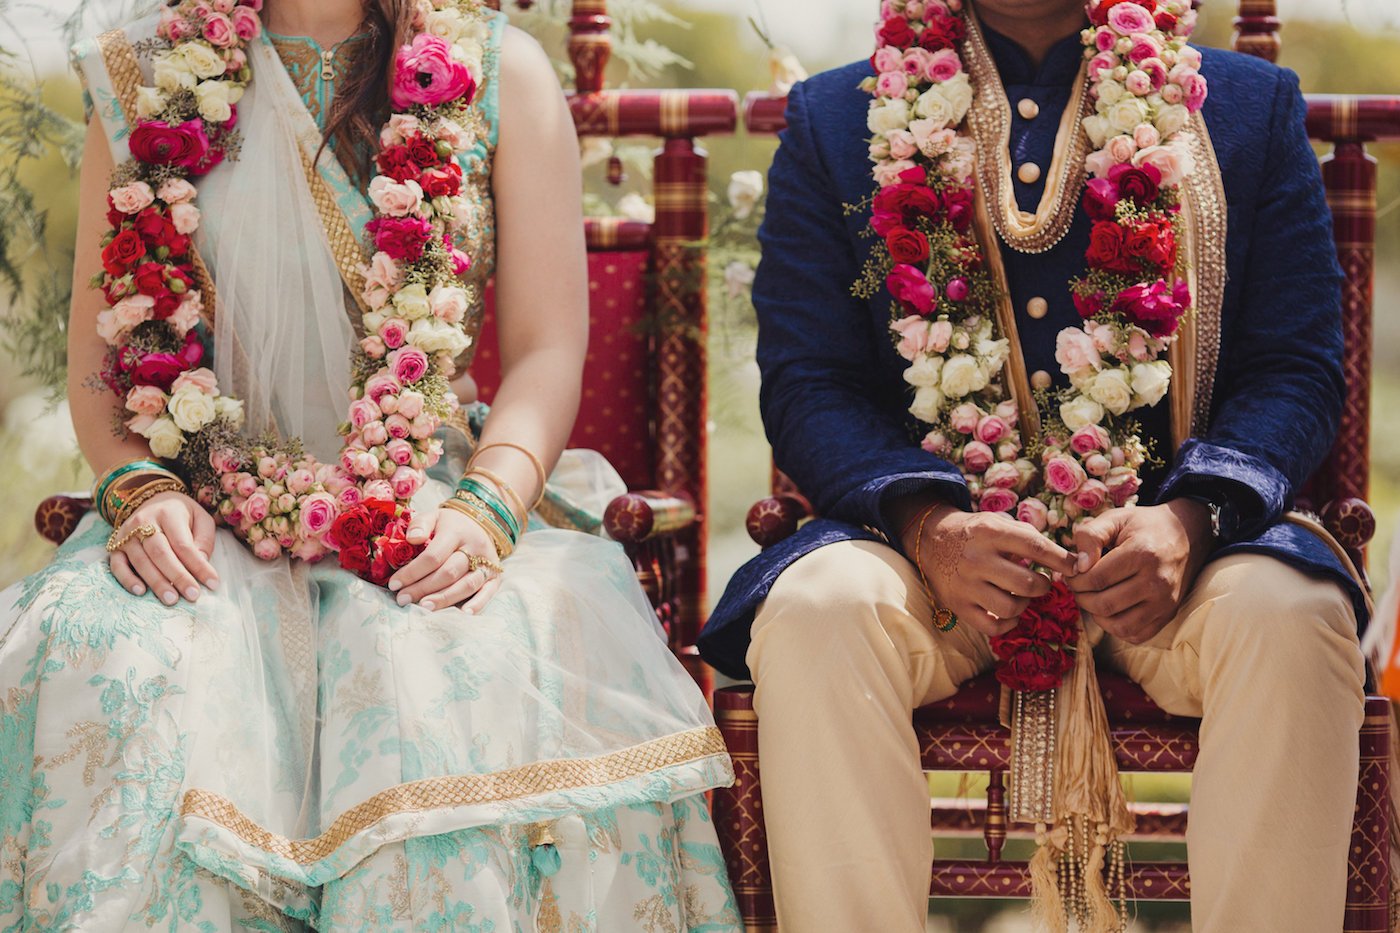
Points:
point(534, 461)
point(144, 494)
point(116, 497)
point(499, 540)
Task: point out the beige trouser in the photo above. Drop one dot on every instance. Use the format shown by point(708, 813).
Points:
point(843, 649)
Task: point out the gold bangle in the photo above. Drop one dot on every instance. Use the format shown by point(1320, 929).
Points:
point(945, 620)
point(499, 540)
point(144, 494)
point(506, 489)
point(115, 498)
point(535, 461)
point(140, 532)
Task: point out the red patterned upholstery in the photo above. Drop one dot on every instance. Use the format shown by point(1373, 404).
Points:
point(963, 733)
point(615, 414)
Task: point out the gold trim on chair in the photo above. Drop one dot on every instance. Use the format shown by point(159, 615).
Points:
point(442, 793)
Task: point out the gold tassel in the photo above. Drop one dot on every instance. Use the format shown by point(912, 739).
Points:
point(1090, 809)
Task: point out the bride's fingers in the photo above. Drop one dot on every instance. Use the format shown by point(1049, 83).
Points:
point(148, 572)
point(456, 592)
point(451, 570)
point(439, 549)
point(483, 595)
point(121, 569)
point(420, 528)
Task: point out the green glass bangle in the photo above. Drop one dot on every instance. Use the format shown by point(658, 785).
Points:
point(486, 512)
point(494, 502)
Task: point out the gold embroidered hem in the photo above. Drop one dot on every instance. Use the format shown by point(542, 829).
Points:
point(989, 125)
point(440, 793)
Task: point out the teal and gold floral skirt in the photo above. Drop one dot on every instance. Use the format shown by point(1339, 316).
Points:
point(297, 751)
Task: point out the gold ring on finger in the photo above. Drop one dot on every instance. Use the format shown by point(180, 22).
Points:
point(140, 533)
point(477, 562)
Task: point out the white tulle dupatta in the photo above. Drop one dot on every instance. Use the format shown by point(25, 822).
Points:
point(282, 335)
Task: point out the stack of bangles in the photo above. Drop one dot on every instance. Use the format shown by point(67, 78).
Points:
point(487, 499)
point(126, 487)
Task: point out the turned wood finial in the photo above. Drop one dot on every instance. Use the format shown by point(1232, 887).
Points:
point(1256, 30)
point(590, 46)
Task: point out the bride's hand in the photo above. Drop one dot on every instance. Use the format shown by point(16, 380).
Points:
point(173, 560)
point(441, 576)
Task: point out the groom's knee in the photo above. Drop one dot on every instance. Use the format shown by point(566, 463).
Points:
point(829, 617)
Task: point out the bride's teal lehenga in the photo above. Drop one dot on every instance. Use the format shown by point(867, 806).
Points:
point(296, 750)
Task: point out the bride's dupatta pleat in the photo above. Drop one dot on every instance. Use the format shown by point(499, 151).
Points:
point(342, 207)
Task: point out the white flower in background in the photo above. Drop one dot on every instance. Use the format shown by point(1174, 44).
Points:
point(785, 69)
point(635, 207)
point(593, 150)
point(745, 188)
point(738, 279)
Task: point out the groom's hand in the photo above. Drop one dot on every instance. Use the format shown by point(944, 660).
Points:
point(976, 564)
point(1138, 564)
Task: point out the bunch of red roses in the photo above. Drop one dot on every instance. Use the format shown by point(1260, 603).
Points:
point(1039, 651)
point(372, 539)
point(938, 32)
point(432, 167)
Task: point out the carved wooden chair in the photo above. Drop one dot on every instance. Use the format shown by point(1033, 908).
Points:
point(644, 396)
point(963, 733)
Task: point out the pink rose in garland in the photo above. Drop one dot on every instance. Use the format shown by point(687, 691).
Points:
point(426, 73)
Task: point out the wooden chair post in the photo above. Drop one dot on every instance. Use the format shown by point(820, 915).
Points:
point(1256, 30)
point(590, 45)
point(682, 223)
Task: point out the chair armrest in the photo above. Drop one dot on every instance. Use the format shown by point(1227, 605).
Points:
point(58, 516)
point(775, 518)
point(640, 516)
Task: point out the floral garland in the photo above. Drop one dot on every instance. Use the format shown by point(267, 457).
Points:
point(270, 493)
point(1145, 85)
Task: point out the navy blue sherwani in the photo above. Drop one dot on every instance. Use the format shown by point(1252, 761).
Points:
point(834, 401)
